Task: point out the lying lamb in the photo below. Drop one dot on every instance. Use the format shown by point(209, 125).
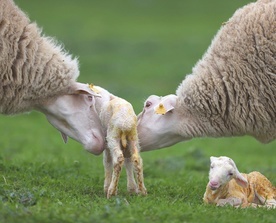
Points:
point(228, 186)
point(231, 91)
point(36, 73)
point(119, 123)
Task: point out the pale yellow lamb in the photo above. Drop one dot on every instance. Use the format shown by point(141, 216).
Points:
point(120, 126)
point(228, 186)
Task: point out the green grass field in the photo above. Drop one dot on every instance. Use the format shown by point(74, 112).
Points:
point(134, 48)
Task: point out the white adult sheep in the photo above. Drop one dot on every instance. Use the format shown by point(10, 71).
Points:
point(227, 186)
point(120, 126)
point(231, 91)
point(37, 74)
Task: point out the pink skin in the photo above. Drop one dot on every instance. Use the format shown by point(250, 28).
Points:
point(158, 130)
point(74, 115)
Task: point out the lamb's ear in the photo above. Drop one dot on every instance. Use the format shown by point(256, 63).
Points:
point(240, 179)
point(80, 88)
point(166, 105)
point(64, 137)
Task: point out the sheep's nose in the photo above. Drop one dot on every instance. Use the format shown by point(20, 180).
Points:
point(213, 185)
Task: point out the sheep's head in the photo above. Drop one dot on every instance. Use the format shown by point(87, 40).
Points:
point(222, 170)
point(74, 115)
point(157, 123)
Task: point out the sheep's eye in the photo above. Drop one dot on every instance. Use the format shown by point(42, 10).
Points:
point(90, 98)
point(211, 166)
point(230, 174)
point(148, 104)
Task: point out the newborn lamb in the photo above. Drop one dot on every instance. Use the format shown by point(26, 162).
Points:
point(228, 186)
point(120, 126)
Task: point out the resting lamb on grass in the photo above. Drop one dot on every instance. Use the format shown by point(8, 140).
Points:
point(120, 125)
point(227, 186)
point(231, 91)
point(36, 73)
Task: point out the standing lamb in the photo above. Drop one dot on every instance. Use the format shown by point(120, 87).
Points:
point(228, 186)
point(231, 91)
point(37, 74)
point(120, 125)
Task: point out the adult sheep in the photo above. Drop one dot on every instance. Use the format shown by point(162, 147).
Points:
point(37, 74)
point(231, 91)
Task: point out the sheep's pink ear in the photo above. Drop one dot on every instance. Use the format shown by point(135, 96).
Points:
point(166, 105)
point(80, 88)
point(212, 159)
point(241, 180)
point(64, 137)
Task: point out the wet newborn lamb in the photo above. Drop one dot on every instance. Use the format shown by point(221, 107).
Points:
point(120, 126)
point(228, 186)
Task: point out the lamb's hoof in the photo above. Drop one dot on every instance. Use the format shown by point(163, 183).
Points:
point(143, 191)
point(111, 193)
point(132, 190)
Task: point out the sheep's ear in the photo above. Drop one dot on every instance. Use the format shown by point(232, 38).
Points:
point(111, 97)
point(166, 105)
point(212, 159)
point(241, 180)
point(80, 88)
point(64, 137)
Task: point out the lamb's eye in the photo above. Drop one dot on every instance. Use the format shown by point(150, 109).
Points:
point(212, 166)
point(148, 104)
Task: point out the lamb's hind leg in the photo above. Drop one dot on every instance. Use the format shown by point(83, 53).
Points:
point(138, 166)
point(117, 161)
point(131, 184)
point(270, 203)
point(107, 161)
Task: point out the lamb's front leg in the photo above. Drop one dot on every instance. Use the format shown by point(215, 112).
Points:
point(107, 161)
point(233, 201)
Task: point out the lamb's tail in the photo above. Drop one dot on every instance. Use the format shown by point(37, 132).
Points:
point(124, 139)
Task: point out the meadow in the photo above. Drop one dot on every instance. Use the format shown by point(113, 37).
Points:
point(134, 48)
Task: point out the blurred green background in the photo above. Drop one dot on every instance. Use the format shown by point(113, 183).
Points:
point(133, 48)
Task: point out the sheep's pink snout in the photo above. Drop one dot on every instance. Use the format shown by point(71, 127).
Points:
point(213, 184)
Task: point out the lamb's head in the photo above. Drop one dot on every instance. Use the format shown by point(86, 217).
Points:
point(158, 123)
point(74, 115)
point(222, 170)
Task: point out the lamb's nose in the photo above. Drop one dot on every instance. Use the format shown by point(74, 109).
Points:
point(213, 185)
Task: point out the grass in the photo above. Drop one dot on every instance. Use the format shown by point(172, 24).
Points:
point(133, 48)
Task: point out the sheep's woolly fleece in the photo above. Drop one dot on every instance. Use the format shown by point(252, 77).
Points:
point(33, 68)
point(233, 87)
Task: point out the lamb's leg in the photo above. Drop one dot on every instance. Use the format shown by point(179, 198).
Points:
point(107, 161)
point(131, 184)
point(270, 203)
point(233, 201)
point(117, 161)
point(265, 195)
point(138, 166)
